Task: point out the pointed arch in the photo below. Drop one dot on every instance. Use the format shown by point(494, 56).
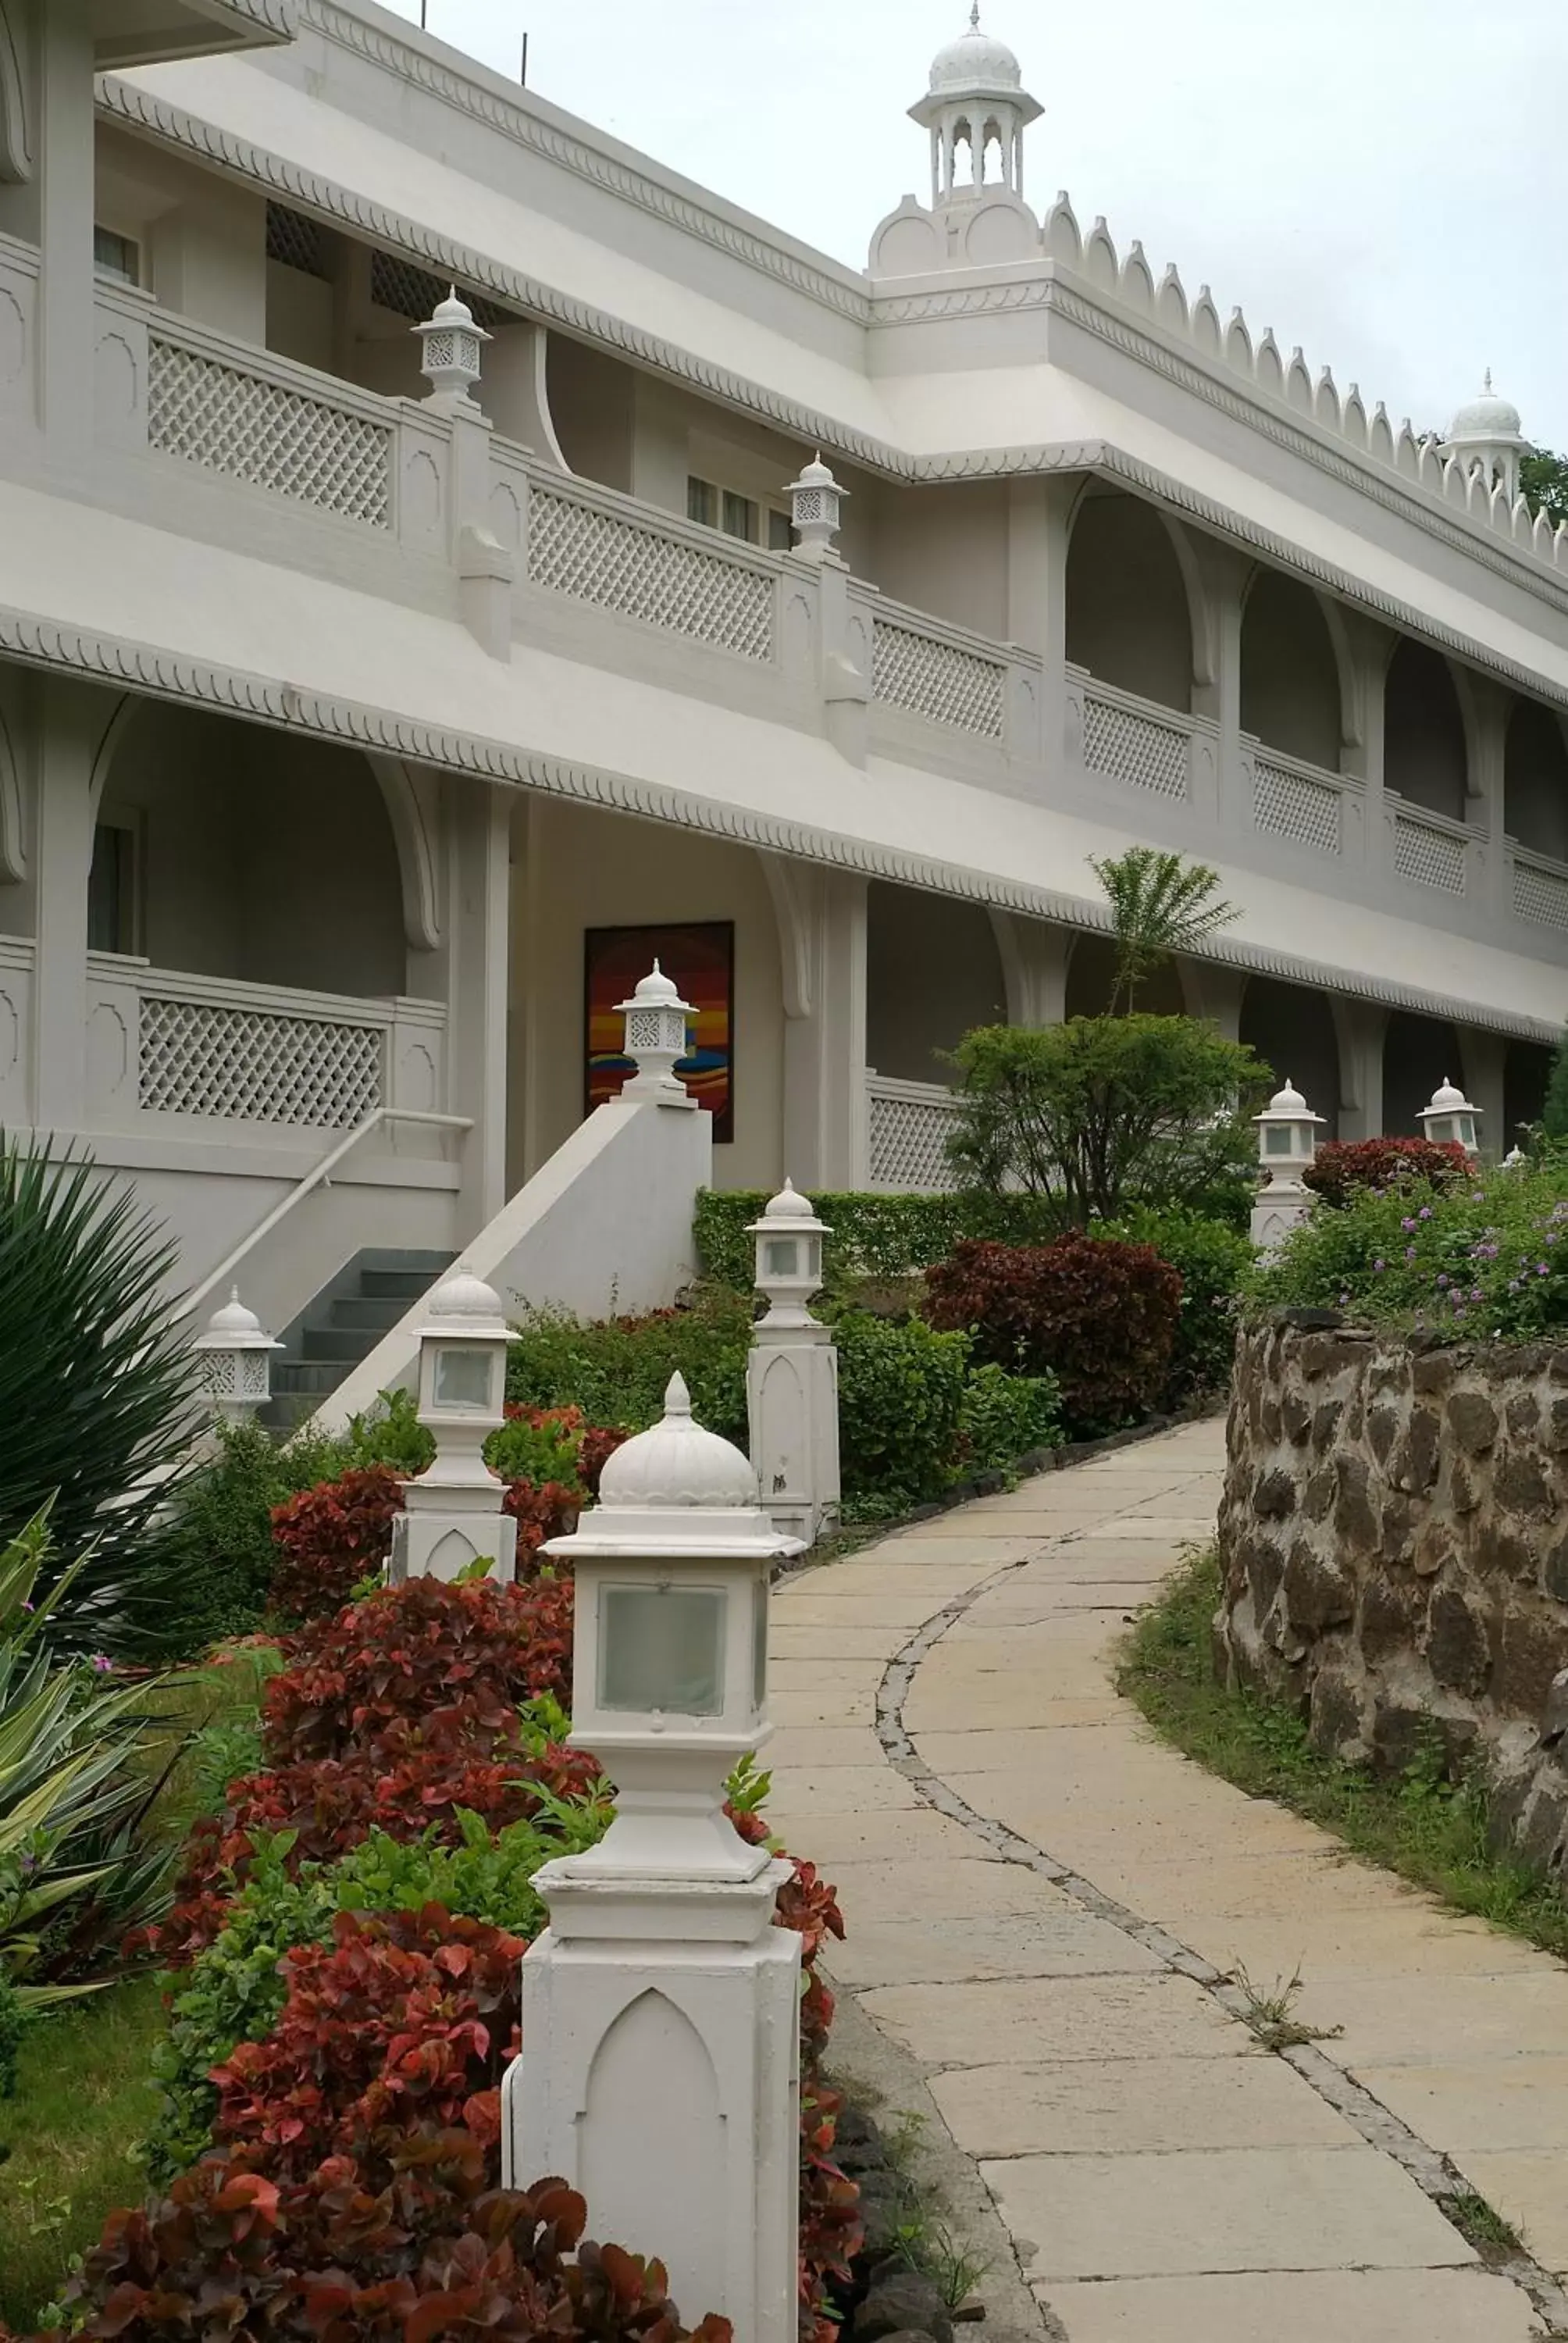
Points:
point(125, 711)
point(416, 850)
point(13, 837)
point(15, 143)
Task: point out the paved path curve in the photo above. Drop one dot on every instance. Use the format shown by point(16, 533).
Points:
point(1045, 1908)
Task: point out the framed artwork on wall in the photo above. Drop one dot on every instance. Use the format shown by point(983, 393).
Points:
point(700, 959)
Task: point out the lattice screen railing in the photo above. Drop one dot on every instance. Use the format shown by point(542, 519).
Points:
point(941, 681)
point(1289, 804)
point(910, 1124)
point(253, 1065)
point(597, 557)
point(1134, 748)
point(1432, 858)
point(264, 431)
point(1540, 895)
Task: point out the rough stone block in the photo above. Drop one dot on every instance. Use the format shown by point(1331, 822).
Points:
point(1318, 1497)
point(1423, 1450)
point(1432, 1372)
point(1390, 1616)
point(1434, 1550)
point(1326, 1421)
point(1554, 1718)
point(1557, 1432)
point(1554, 1570)
point(1456, 1645)
point(1274, 1494)
point(1464, 1490)
point(1523, 1414)
point(1472, 1421)
point(1521, 1483)
point(1338, 1724)
point(1382, 1429)
point(1296, 1415)
point(1532, 1653)
point(1327, 1354)
point(1354, 1518)
point(1319, 1591)
point(1499, 1552)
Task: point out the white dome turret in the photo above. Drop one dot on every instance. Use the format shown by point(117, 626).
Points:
point(1486, 436)
point(976, 102)
point(975, 61)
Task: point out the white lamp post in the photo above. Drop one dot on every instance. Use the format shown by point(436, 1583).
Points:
point(792, 1373)
point(657, 1020)
point(816, 500)
point(236, 1354)
point(452, 1514)
point(1287, 1141)
point(660, 2006)
point(1450, 1117)
point(449, 352)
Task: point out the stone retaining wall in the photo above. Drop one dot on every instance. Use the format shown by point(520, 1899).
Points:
point(1394, 1541)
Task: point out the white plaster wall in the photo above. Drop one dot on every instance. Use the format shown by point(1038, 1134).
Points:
point(203, 237)
point(591, 397)
point(1128, 619)
point(576, 869)
point(1290, 683)
point(945, 550)
point(932, 973)
point(262, 858)
point(299, 315)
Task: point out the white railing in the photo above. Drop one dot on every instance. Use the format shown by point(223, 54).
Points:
point(1429, 849)
point(18, 323)
point(261, 419)
point(211, 1049)
point(1134, 740)
point(1540, 889)
point(941, 673)
point(598, 546)
point(1291, 800)
point(910, 1124)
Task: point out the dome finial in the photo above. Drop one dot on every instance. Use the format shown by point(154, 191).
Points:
point(1486, 382)
point(974, 16)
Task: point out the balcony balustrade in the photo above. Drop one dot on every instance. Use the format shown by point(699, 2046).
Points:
point(910, 1125)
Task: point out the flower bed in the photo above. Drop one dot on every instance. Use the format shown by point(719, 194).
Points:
point(344, 1993)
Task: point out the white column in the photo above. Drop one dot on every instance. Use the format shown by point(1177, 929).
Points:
point(1217, 619)
point(63, 35)
point(72, 721)
point(1034, 957)
point(822, 950)
point(1361, 1025)
point(1040, 521)
point(1214, 992)
point(1483, 1058)
point(474, 952)
point(1372, 647)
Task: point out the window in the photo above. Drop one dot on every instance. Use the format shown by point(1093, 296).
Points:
point(116, 256)
point(743, 517)
point(112, 890)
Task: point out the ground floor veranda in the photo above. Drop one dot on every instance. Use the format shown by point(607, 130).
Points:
point(231, 958)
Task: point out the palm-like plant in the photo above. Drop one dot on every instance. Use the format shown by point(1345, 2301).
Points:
point(98, 1393)
point(1160, 904)
point(74, 1872)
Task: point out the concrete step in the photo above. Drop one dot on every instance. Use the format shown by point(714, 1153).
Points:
point(377, 1312)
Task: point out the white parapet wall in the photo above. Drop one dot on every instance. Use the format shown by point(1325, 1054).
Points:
point(604, 1226)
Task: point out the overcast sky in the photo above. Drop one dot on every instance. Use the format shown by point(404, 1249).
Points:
point(1383, 181)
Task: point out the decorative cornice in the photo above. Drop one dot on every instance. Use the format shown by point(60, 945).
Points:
point(518, 119)
point(277, 18)
point(164, 675)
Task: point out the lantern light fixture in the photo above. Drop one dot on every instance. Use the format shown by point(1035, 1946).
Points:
point(450, 344)
point(788, 1240)
point(816, 501)
point(1450, 1119)
point(236, 1356)
point(1287, 1132)
point(657, 1024)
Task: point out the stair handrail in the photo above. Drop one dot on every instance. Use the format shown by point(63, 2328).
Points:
point(313, 1179)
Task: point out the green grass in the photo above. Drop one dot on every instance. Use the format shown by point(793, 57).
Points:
point(85, 2097)
point(1428, 1829)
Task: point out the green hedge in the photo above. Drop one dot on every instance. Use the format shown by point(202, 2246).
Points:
point(872, 1235)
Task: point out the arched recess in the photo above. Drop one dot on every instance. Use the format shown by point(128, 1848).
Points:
point(411, 832)
point(1291, 1027)
point(1419, 1054)
point(652, 2104)
point(1426, 756)
point(1135, 612)
point(1526, 1070)
point(16, 144)
point(1536, 779)
point(13, 837)
point(933, 972)
point(1091, 971)
point(1292, 689)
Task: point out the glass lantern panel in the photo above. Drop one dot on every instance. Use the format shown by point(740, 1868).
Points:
point(1276, 1139)
point(780, 1257)
point(462, 1378)
point(813, 1256)
point(1466, 1128)
point(760, 1647)
point(661, 1650)
point(1440, 1129)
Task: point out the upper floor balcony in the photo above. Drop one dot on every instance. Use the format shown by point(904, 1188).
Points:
point(1451, 809)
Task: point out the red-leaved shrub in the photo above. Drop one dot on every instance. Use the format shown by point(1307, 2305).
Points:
point(550, 1511)
point(1344, 1168)
point(1099, 1314)
point(598, 1445)
point(330, 1537)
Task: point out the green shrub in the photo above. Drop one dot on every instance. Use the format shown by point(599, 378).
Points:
point(901, 1401)
point(870, 1235)
point(616, 1369)
point(1002, 1417)
point(1214, 1261)
point(1489, 1259)
point(221, 1531)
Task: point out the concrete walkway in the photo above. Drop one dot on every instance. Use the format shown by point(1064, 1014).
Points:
point(1047, 1911)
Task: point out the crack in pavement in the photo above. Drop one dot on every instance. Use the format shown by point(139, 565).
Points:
point(1434, 2173)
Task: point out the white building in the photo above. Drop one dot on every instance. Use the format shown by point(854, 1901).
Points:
point(334, 716)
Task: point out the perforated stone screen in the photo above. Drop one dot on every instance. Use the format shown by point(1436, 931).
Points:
point(1287, 804)
point(596, 556)
point(258, 430)
point(1431, 857)
point(941, 681)
point(250, 1065)
point(1540, 895)
point(1132, 748)
point(908, 1143)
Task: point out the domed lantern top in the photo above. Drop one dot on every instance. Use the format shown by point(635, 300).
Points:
point(974, 64)
point(236, 1359)
point(657, 1020)
point(975, 98)
point(463, 1358)
point(788, 1265)
point(814, 503)
point(1449, 1118)
point(1486, 435)
point(451, 341)
point(1287, 1132)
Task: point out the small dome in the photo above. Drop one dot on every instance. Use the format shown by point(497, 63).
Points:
point(1446, 1099)
point(453, 311)
point(975, 61)
point(466, 1298)
point(657, 991)
point(816, 475)
point(1486, 417)
point(1289, 1100)
point(788, 1204)
point(234, 1318)
point(675, 1464)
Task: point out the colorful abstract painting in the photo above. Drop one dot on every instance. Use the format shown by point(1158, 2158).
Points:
point(701, 961)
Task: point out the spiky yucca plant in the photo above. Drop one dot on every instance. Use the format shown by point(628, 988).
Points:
point(1160, 904)
point(99, 1397)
